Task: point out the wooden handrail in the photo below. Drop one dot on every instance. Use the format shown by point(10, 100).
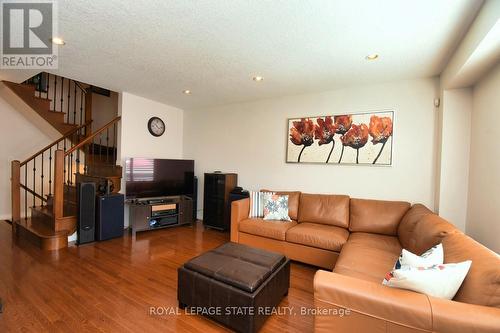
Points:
point(92, 136)
point(65, 136)
point(33, 193)
point(79, 85)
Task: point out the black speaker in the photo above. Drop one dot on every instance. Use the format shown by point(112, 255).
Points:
point(86, 213)
point(109, 217)
point(195, 198)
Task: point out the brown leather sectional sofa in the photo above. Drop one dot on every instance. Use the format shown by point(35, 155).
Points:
point(360, 241)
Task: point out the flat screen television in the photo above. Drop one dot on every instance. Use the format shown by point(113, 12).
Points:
point(148, 178)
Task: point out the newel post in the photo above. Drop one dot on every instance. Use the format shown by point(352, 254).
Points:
point(16, 191)
point(58, 184)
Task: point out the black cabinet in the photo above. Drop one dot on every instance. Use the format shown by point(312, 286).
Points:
point(216, 203)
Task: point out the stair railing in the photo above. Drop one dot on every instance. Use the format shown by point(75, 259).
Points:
point(33, 180)
point(66, 95)
point(98, 147)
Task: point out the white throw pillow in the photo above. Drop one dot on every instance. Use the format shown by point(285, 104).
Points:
point(433, 256)
point(257, 202)
point(440, 281)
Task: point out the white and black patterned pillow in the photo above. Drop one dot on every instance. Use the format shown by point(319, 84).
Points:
point(276, 208)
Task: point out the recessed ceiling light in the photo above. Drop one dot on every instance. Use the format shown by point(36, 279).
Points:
point(186, 92)
point(371, 56)
point(58, 41)
point(258, 78)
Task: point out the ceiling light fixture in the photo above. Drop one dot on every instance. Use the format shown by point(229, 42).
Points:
point(371, 56)
point(58, 41)
point(258, 78)
point(186, 92)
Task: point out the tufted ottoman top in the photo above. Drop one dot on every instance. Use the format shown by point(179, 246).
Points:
point(238, 265)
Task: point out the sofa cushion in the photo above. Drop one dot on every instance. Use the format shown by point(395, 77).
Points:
point(482, 284)
point(368, 256)
point(318, 235)
point(324, 209)
point(376, 216)
point(375, 241)
point(293, 202)
point(421, 229)
point(269, 229)
point(408, 223)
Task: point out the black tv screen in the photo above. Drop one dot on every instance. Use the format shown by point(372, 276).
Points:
point(148, 178)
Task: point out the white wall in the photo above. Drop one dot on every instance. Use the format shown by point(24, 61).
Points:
point(21, 138)
point(134, 138)
point(250, 139)
point(136, 141)
point(484, 180)
point(455, 148)
point(104, 109)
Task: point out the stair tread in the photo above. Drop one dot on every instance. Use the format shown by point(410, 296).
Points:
point(69, 209)
point(39, 229)
point(43, 98)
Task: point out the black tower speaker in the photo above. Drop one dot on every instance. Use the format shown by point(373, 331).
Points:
point(109, 217)
point(86, 213)
point(195, 199)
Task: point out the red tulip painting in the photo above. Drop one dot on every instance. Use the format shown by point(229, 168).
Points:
point(302, 134)
point(343, 125)
point(380, 130)
point(358, 138)
point(324, 132)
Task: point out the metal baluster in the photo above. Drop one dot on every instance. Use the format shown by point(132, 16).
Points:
point(48, 83)
point(114, 144)
point(71, 173)
point(34, 183)
point(107, 145)
point(81, 107)
point(100, 147)
point(85, 164)
point(70, 169)
point(25, 191)
point(64, 149)
point(50, 171)
point(62, 93)
point(69, 97)
point(41, 182)
point(55, 91)
point(74, 105)
point(78, 155)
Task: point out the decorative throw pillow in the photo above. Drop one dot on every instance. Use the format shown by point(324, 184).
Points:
point(433, 256)
point(440, 281)
point(276, 208)
point(257, 201)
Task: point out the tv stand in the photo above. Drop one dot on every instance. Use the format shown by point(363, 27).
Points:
point(160, 212)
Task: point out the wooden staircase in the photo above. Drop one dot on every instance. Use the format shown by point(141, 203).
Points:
point(44, 186)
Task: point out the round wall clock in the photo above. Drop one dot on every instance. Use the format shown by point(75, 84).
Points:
point(156, 126)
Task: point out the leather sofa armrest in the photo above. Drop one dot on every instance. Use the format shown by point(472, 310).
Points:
point(451, 316)
point(372, 306)
point(239, 211)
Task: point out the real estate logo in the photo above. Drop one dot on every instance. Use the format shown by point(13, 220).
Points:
point(27, 31)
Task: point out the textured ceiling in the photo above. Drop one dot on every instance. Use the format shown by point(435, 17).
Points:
point(156, 48)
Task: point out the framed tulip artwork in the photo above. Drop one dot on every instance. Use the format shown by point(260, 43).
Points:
point(358, 138)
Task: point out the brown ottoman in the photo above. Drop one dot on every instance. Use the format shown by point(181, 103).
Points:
point(234, 284)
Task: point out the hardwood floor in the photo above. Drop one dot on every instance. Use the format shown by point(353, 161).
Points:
point(110, 286)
